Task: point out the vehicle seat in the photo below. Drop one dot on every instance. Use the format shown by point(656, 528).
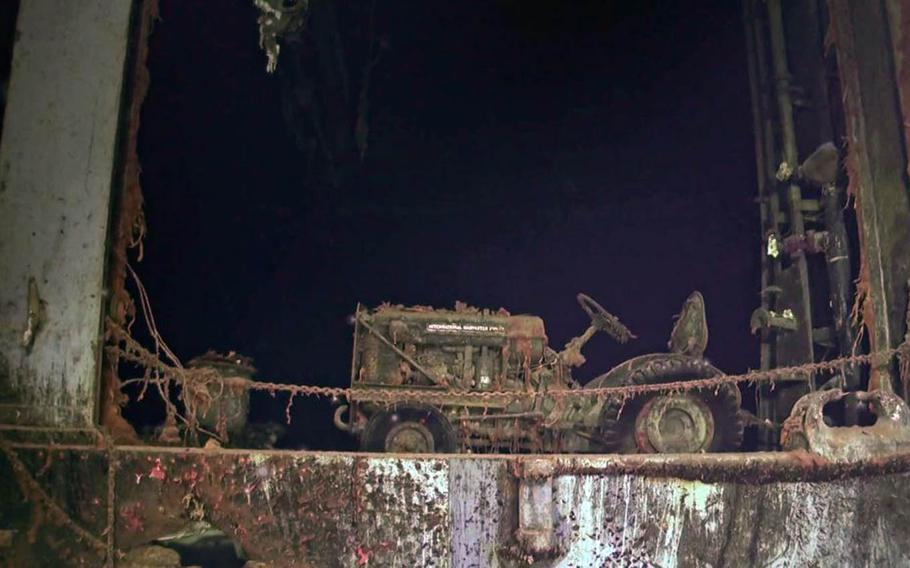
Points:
point(690, 332)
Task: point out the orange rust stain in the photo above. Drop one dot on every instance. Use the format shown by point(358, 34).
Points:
point(128, 228)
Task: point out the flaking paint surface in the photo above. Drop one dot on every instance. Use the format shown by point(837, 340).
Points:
point(56, 166)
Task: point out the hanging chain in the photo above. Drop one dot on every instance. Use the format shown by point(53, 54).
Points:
point(130, 350)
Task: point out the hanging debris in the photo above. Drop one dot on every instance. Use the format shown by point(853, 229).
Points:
point(129, 228)
point(277, 19)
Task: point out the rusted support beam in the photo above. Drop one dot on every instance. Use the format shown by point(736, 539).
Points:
point(862, 35)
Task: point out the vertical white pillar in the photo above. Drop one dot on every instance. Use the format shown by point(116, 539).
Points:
point(57, 158)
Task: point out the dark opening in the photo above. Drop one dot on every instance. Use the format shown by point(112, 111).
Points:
point(208, 549)
point(8, 12)
point(849, 411)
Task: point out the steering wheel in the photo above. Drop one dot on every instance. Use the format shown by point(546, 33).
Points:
point(603, 320)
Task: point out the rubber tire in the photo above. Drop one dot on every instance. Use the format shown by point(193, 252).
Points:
point(445, 439)
point(618, 434)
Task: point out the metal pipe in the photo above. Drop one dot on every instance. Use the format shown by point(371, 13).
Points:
point(481, 417)
point(837, 259)
point(760, 164)
point(769, 201)
point(789, 156)
point(837, 253)
point(766, 407)
point(785, 107)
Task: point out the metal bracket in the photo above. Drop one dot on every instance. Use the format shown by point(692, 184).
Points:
point(812, 242)
point(772, 245)
point(808, 427)
point(536, 534)
point(768, 320)
point(784, 172)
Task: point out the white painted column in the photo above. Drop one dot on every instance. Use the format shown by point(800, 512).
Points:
point(57, 158)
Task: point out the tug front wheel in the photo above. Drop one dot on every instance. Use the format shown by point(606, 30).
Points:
point(409, 429)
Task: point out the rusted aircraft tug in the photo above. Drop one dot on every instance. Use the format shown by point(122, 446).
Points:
point(832, 489)
point(504, 370)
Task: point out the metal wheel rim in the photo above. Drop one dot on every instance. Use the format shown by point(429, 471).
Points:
point(674, 424)
point(409, 438)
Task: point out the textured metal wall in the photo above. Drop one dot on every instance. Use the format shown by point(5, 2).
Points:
point(627, 519)
point(332, 509)
point(56, 167)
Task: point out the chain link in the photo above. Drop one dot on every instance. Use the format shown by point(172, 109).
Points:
point(134, 352)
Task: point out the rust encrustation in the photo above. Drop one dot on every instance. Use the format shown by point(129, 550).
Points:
point(840, 35)
point(128, 222)
point(808, 428)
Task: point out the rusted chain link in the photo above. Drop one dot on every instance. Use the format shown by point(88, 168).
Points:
point(134, 352)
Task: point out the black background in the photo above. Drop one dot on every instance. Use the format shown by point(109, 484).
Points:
point(519, 152)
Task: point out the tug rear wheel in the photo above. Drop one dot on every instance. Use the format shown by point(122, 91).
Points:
point(705, 420)
point(409, 429)
point(674, 424)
